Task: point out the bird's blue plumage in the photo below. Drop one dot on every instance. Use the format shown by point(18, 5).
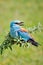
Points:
point(15, 31)
point(24, 35)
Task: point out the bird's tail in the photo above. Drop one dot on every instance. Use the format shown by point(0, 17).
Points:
point(33, 42)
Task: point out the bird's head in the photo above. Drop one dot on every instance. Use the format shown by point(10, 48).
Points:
point(16, 22)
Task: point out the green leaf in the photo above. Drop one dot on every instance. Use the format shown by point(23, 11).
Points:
point(1, 50)
point(10, 47)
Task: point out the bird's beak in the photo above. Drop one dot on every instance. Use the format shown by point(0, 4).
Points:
point(21, 23)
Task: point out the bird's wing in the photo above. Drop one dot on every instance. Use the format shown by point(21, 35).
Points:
point(23, 30)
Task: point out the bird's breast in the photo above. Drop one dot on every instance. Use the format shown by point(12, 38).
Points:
point(13, 33)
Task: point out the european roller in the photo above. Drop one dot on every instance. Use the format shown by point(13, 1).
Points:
point(17, 31)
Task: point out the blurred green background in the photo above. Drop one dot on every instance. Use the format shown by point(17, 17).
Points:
point(31, 12)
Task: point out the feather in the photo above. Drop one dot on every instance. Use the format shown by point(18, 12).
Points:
point(33, 42)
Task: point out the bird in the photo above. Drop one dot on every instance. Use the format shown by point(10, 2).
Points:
point(17, 35)
point(17, 31)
